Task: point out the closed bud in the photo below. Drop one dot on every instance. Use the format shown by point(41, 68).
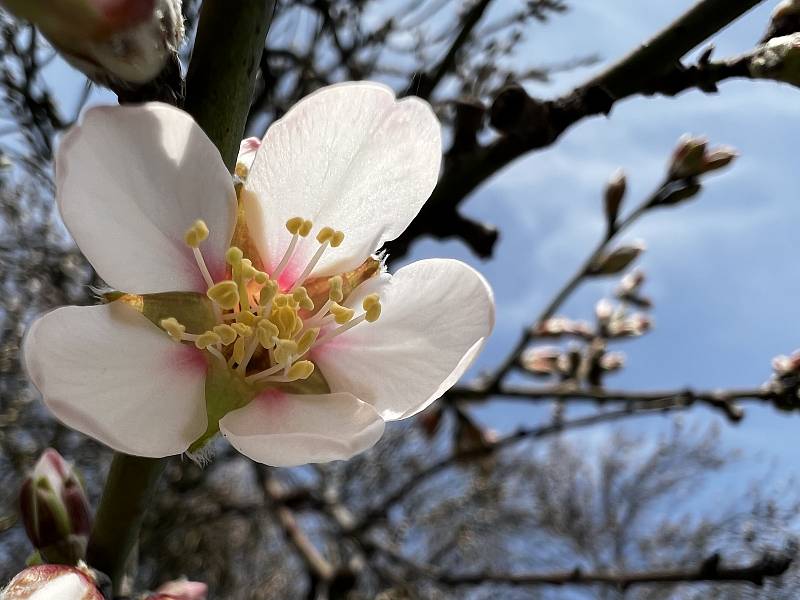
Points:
point(692, 158)
point(617, 260)
point(180, 590)
point(612, 361)
point(55, 510)
point(114, 42)
point(614, 194)
point(541, 361)
point(53, 582)
point(785, 19)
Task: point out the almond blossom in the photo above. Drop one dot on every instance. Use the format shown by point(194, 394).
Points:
point(255, 307)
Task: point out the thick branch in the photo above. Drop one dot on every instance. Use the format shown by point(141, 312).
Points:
point(528, 124)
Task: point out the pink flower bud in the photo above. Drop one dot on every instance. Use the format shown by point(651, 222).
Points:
point(612, 361)
point(542, 360)
point(52, 582)
point(181, 590)
point(55, 510)
point(118, 42)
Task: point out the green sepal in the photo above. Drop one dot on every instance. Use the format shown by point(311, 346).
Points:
point(193, 310)
point(226, 390)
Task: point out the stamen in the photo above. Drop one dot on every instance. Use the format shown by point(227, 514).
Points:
point(226, 333)
point(173, 328)
point(248, 354)
point(341, 314)
point(372, 310)
point(193, 237)
point(327, 236)
point(298, 227)
point(336, 283)
point(225, 294)
point(204, 340)
point(300, 370)
point(300, 295)
point(217, 354)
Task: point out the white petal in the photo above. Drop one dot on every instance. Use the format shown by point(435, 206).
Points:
point(130, 180)
point(436, 315)
point(284, 430)
point(69, 586)
point(350, 157)
point(110, 373)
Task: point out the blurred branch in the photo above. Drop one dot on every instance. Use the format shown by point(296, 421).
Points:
point(528, 124)
point(724, 400)
point(424, 84)
point(381, 510)
point(768, 565)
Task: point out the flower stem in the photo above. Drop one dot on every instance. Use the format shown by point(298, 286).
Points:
point(129, 487)
point(229, 43)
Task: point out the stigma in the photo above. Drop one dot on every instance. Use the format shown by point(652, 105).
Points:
point(264, 332)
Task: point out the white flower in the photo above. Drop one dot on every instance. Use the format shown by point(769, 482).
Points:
point(293, 341)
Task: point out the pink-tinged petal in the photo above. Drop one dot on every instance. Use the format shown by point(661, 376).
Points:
point(130, 180)
point(348, 156)
point(436, 316)
point(108, 372)
point(247, 151)
point(284, 430)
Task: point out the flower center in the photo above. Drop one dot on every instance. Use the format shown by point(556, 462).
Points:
point(263, 333)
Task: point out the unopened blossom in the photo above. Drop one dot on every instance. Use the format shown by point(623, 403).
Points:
point(120, 42)
point(180, 589)
point(52, 582)
point(55, 509)
point(692, 158)
point(256, 310)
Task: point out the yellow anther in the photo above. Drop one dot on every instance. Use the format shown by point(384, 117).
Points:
point(260, 277)
point(248, 270)
point(226, 333)
point(300, 295)
point(341, 314)
point(225, 293)
point(336, 294)
point(239, 349)
point(294, 225)
point(305, 228)
point(204, 340)
point(284, 350)
point(325, 235)
point(242, 329)
point(370, 301)
point(372, 313)
point(266, 331)
point(173, 328)
point(337, 238)
point(247, 318)
point(285, 317)
point(307, 340)
point(233, 255)
point(196, 234)
point(267, 292)
point(302, 369)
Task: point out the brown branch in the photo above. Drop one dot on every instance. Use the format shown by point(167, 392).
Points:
point(766, 566)
point(724, 400)
point(528, 124)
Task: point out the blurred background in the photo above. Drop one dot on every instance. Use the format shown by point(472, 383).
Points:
point(483, 484)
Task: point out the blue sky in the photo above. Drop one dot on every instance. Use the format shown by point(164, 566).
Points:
point(722, 269)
